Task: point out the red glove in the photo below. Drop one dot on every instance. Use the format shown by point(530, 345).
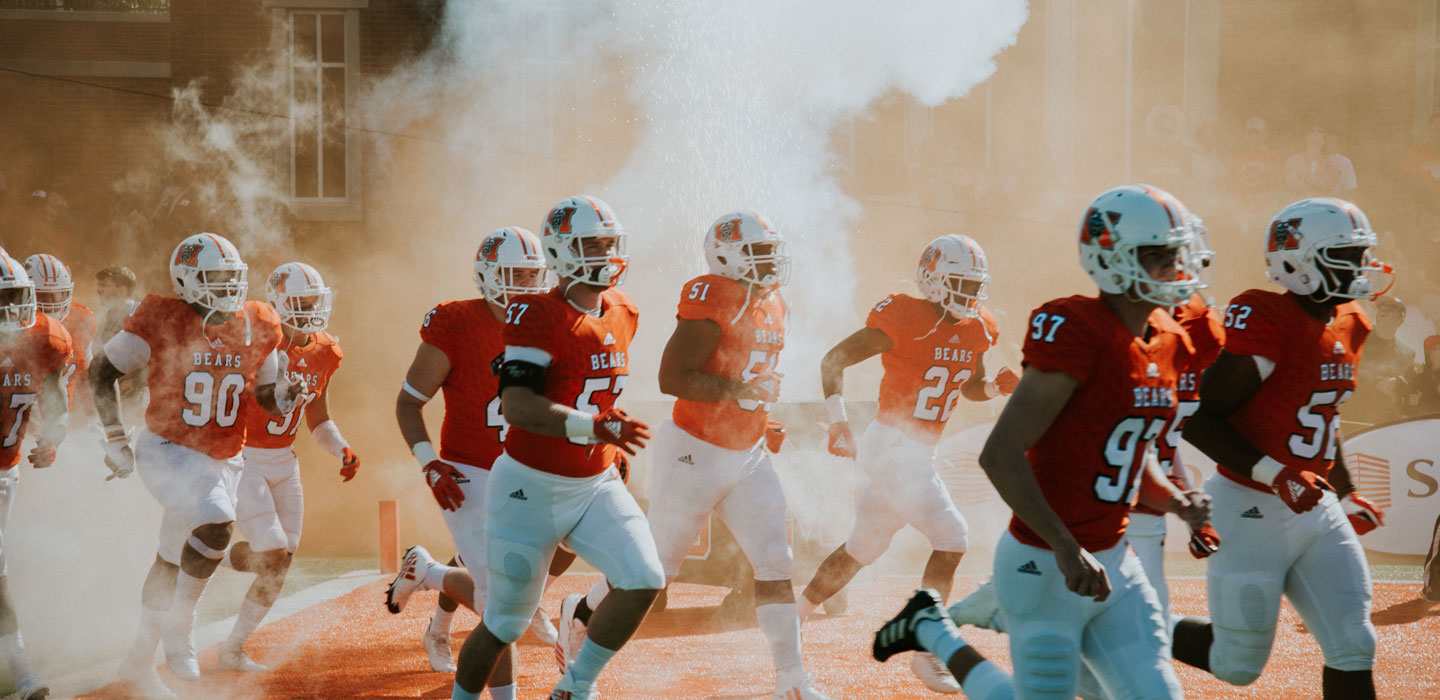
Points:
point(1300, 490)
point(622, 465)
point(842, 443)
point(43, 455)
point(349, 464)
point(1364, 515)
point(1006, 380)
point(765, 386)
point(1204, 542)
point(774, 436)
point(617, 428)
point(444, 480)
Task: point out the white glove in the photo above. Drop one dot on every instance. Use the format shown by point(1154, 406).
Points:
point(118, 455)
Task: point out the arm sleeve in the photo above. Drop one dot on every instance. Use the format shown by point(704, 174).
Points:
point(884, 317)
point(713, 305)
point(127, 351)
point(1059, 340)
point(435, 331)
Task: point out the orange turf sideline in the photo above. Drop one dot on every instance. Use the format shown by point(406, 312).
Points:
point(350, 647)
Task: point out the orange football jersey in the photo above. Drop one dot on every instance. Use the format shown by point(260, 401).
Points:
point(199, 375)
point(929, 362)
point(589, 366)
point(752, 332)
point(81, 324)
point(469, 335)
point(1294, 417)
point(1089, 461)
point(25, 363)
point(315, 363)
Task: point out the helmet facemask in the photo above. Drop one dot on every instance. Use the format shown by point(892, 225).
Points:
point(595, 262)
point(962, 294)
point(761, 263)
point(1349, 272)
point(499, 281)
point(55, 302)
point(220, 290)
point(306, 312)
point(17, 307)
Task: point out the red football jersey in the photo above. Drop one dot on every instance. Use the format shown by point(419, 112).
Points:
point(199, 375)
point(1294, 417)
point(1089, 461)
point(752, 332)
point(36, 353)
point(928, 363)
point(81, 324)
point(469, 335)
point(315, 363)
point(588, 369)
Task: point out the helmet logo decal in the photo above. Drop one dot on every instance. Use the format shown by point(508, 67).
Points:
point(1285, 235)
point(278, 280)
point(728, 231)
point(1100, 227)
point(188, 254)
point(930, 258)
point(490, 249)
point(560, 219)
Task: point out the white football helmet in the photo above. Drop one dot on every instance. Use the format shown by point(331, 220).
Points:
point(207, 270)
point(743, 246)
point(1301, 249)
point(953, 273)
point(300, 296)
point(568, 225)
point(54, 288)
point(501, 254)
point(1121, 221)
point(17, 296)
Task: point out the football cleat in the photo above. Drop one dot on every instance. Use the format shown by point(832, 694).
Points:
point(933, 673)
point(570, 632)
point(570, 689)
point(145, 681)
point(437, 649)
point(235, 659)
point(797, 687)
point(542, 628)
point(1431, 595)
point(180, 652)
point(410, 578)
point(898, 634)
point(30, 687)
point(980, 609)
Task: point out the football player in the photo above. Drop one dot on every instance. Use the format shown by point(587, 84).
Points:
point(35, 352)
point(1269, 417)
point(269, 505)
point(461, 345)
point(1068, 455)
point(206, 349)
point(566, 362)
point(54, 297)
point(933, 352)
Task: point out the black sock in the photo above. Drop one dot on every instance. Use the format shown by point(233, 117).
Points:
point(1348, 685)
point(964, 660)
point(1193, 638)
point(583, 611)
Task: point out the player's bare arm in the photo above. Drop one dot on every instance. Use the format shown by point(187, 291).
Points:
point(1160, 493)
point(426, 374)
point(854, 349)
point(118, 455)
point(690, 346)
point(322, 427)
point(1037, 400)
point(274, 391)
point(1224, 388)
point(525, 409)
point(54, 407)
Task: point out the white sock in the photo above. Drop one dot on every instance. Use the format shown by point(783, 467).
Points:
point(502, 692)
point(13, 647)
point(147, 637)
point(440, 622)
point(434, 578)
point(781, 626)
point(987, 682)
point(181, 617)
point(804, 608)
point(939, 637)
point(458, 693)
point(589, 662)
point(246, 621)
point(597, 593)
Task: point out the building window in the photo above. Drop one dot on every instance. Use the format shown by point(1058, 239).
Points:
point(318, 136)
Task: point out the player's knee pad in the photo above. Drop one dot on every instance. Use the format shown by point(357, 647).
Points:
point(866, 547)
point(1354, 650)
point(645, 576)
point(507, 627)
point(952, 536)
point(775, 563)
point(1238, 656)
point(1051, 666)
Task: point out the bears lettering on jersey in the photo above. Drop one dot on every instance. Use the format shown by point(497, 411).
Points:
point(35, 354)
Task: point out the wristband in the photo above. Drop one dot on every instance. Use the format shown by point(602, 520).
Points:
point(328, 436)
point(115, 433)
point(991, 389)
point(1266, 470)
point(835, 406)
point(424, 453)
point(579, 424)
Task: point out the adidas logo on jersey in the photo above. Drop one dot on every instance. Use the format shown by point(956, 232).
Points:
point(1254, 512)
point(1339, 349)
point(1029, 568)
point(519, 495)
point(687, 459)
point(1152, 371)
point(955, 338)
point(301, 363)
point(609, 339)
point(7, 362)
point(217, 343)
